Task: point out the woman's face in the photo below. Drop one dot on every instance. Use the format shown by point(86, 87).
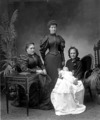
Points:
point(53, 29)
point(73, 53)
point(31, 49)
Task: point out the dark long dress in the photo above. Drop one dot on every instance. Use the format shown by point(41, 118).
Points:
point(54, 59)
point(75, 66)
point(39, 94)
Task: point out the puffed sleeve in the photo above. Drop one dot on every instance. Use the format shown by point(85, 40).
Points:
point(40, 64)
point(61, 49)
point(24, 65)
point(44, 44)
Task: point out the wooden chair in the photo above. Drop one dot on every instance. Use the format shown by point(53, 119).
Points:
point(97, 54)
point(97, 59)
point(87, 65)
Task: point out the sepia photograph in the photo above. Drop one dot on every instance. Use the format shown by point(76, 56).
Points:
point(49, 59)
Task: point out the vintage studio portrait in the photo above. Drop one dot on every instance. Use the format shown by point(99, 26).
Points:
point(49, 59)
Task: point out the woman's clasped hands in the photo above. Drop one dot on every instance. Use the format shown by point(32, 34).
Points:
point(41, 72)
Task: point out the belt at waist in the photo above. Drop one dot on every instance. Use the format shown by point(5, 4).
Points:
point(54, 52)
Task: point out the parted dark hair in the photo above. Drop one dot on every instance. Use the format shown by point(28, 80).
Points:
point(72, 47)
point(28, 44)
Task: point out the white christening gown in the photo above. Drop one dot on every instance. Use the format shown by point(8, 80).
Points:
point(66, 97)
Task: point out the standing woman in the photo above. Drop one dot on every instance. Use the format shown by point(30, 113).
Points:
point(54, 59)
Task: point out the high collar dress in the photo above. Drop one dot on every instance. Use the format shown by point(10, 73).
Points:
point(52, 52)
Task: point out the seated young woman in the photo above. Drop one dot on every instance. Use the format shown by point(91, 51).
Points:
point(68, 94)
point(74, 63)
point(38, 98)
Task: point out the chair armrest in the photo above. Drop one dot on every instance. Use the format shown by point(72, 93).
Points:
point(87, 73)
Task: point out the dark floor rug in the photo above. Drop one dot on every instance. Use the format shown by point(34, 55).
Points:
point(18, 113)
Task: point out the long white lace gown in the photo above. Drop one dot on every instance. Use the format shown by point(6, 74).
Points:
point(66, 97)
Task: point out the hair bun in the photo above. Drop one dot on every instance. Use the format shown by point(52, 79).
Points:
point(52, 22)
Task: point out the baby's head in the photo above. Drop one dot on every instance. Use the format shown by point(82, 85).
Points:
point(65, 68)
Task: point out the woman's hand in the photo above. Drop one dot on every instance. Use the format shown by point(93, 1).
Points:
point(41, 72)
point(75, 81)
point(63, 63)
point(60, 76)
point(44, 72)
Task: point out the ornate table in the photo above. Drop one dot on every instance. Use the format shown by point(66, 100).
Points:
point(23, 80)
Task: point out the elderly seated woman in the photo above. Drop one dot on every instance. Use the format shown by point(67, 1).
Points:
point(31, 63)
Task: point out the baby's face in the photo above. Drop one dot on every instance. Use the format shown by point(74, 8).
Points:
point(65, 68)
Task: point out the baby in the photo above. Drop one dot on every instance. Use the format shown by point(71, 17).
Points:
point(65, 74)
